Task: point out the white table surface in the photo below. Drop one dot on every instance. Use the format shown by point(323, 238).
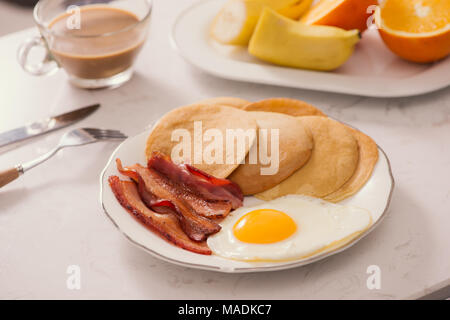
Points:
point(51, 218)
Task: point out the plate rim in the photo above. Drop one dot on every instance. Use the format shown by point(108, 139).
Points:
point(275, 267)
point(374, 93)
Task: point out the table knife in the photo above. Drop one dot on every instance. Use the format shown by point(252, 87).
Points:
point(47, 125)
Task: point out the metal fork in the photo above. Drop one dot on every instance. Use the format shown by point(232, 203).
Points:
point(76, 137)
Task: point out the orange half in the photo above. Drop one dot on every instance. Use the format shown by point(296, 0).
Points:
point(345, 14)
point(415, 30)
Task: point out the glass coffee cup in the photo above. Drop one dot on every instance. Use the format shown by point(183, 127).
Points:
point(95, 41)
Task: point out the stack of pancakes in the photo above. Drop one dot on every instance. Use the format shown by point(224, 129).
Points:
point(318, 156)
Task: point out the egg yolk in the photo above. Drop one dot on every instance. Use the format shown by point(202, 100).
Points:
point(264, 226)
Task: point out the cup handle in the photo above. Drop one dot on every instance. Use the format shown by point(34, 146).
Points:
point(44, 67)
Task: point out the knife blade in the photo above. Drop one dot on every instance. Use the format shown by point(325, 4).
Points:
point(47, 125)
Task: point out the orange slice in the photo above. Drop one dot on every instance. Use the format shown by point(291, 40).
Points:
point(345, 14)
point(416, 30)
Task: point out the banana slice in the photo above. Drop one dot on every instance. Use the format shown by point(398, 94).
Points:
point(236, 21)
point(296, 10)
point(289, 43)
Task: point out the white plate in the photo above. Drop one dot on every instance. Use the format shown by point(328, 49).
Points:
point(372, 70)
point(374, 196)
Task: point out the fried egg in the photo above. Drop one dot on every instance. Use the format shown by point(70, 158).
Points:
point(288, 228)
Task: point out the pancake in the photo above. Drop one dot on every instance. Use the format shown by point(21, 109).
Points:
point(368, 150)
point(294, 146)
point(290, 107)
point(219, 118)
point(226, 101)
point(368, 157)
point(333, 161)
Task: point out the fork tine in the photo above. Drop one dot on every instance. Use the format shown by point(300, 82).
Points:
point(105, 133)
point(102, 131)
point(94, 130)
point(117, 133)
point(111, 136)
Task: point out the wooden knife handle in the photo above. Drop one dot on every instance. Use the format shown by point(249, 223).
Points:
point(8, 175)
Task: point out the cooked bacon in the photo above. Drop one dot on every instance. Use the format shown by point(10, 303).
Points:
point(216, 192)
point(158, 195)
point(128, 171)
point(207, 207)
point(166, 225)
point(148, 198)
point(183, 192)
point(222, 189)
point(196, 226)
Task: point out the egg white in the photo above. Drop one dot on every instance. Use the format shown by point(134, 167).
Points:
point(320, 226)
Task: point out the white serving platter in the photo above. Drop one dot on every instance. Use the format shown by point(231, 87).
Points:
point(372, 70)
point(374, 196)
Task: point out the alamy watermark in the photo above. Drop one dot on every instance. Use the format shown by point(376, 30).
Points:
point(73, 21)
point(73, 281)
point(373, 281)
point(212, 147)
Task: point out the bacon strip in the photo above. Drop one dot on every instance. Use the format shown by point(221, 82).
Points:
point(158, 194)
point(182, 192)
point(196, 226)
point(220, 189)
point(215, 196)
point(208, 196)
point(166, 225)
